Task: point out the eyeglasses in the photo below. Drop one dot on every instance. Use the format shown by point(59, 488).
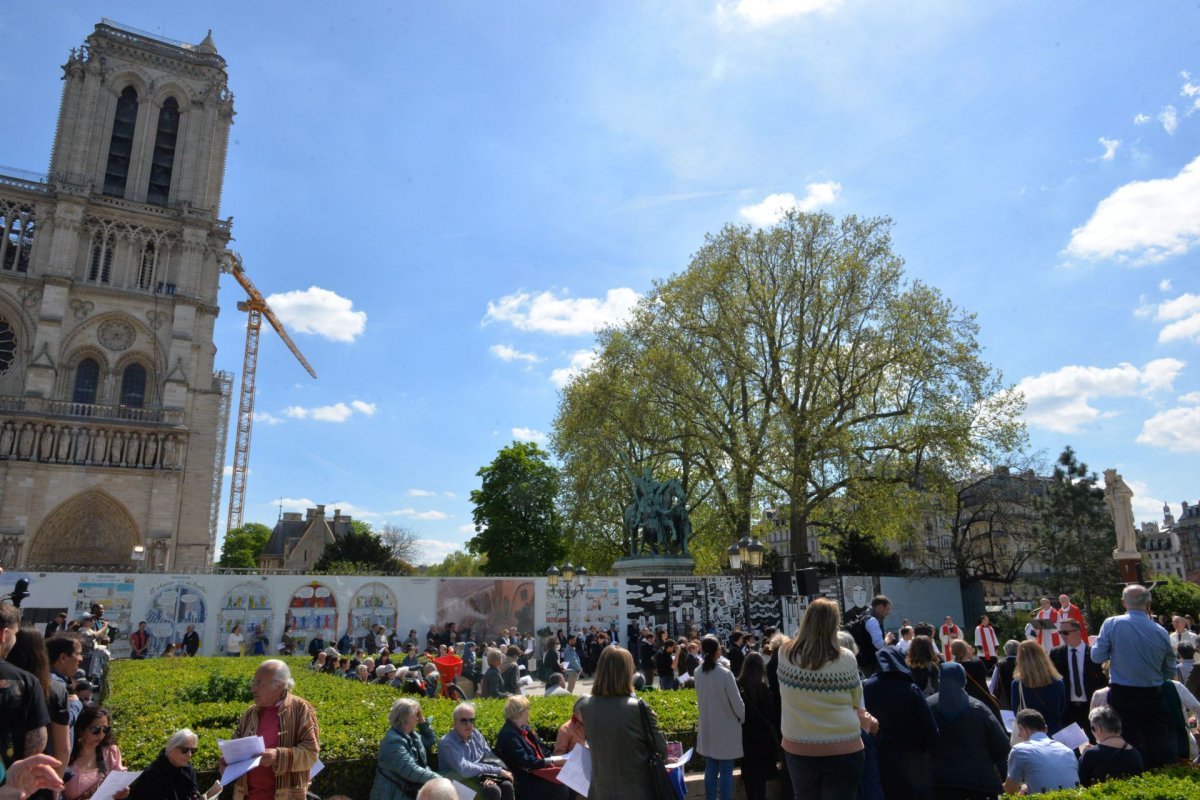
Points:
point(467, 720)
point(107, 729)
point(187, 751)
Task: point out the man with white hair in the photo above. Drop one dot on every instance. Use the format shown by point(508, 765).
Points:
point(465, 752)
point(288, 725)
point(1140, 660)
point(439, 789)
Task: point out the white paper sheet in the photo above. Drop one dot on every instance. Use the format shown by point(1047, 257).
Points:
point(1009, 719)
point(114, 782)
point(464, 792)
point(238, 769)
point(317, 767)
point(1072, 736)
point(214, 791)
point(683, 759)
point(576, 773)
point(244, 749)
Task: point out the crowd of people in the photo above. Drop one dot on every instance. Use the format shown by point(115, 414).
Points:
point(850, 711)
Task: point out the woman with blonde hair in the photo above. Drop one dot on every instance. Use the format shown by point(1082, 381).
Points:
point(1037, 685)
point(821, 694)
point(622, 731)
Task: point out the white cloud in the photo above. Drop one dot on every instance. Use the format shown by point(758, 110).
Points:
point(469, 528)
point(1144, 221)
point(1110, 148)
point(507, 353)
point(449, 494)
point(1164, 285)
point(319, 311)
point(580, 361)
point(1169, 119)
point(529, 435)
point(774, 206)
point(1182, 318)
point(302, 504)
point(434, 551)
point(367, 409)
point(1189, 399)
point(1146, 508)
point(412, 513)
point(263, 418)
point(1060, 401)
point(562, 315)
point(292, 503)
point(421, 493)
point(338, 412)
point(767, 12)
point(1176, 430)
point(1141, 119)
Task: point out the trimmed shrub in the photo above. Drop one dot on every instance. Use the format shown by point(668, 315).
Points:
point(1172, 783)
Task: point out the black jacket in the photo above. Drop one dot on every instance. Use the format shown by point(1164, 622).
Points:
point(162, 780)
point(1005, 666)
point(519, 755)
point(972, 749)
point(1092, 674)
point(892, 697)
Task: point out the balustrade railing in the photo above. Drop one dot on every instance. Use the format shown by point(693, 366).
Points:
point(91, 411)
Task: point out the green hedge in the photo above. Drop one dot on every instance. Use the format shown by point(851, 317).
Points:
point(1172, 783)
point(151, 699)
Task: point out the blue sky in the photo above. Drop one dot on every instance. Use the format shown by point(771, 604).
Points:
point(460, 192)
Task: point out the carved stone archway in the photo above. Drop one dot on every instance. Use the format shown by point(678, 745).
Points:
point(91, 528)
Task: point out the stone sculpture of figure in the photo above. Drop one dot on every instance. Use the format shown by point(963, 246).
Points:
point(1119, 499)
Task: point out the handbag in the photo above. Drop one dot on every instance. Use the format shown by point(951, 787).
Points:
point(662, 786)
point(1014, 736)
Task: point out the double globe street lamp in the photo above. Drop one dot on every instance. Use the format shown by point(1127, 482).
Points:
point(567, 582)
point(746, 559)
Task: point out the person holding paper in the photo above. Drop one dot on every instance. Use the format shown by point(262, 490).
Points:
point(523, 753)
point(1112, 757)
point(1037, 761)
point(288, 726)
point(93, 755)
point(1081, 675)
point(171, 775)
point(404, 753)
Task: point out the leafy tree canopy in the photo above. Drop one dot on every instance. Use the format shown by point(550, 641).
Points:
point(516, 518)
point(243, 546)
point(361, 550)
point(458, 564)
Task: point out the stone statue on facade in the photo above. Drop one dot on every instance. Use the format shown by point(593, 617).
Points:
point(1119, 499)
point(657, 521)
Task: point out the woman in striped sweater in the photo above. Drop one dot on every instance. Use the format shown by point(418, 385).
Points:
point(821, 695)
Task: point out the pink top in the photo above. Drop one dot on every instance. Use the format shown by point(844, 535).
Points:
point(84, 782)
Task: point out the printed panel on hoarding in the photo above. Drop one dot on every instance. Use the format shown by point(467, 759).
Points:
point(482, 609)
point(248, 605)
point(172, 609)
point(312, 612)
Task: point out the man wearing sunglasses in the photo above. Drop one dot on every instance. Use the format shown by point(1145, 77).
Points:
point(23, 715)
point(464, 754)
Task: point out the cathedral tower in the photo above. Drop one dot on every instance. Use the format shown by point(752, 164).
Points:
point(109, 265)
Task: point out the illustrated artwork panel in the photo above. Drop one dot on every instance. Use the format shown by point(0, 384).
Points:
point(250, 606)
point(482, 608)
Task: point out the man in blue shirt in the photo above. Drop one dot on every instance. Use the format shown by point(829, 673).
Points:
point(464, 754)
point(1140, 660)
point(1038, 761)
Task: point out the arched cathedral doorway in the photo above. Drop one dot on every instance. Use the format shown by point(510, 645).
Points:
point(91, 528)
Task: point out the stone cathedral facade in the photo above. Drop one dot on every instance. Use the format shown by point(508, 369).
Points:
point(109, 265)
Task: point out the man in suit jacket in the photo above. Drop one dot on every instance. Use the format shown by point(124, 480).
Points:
point(1081, 677)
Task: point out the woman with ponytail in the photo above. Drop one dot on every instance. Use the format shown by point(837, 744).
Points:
point(721, 711)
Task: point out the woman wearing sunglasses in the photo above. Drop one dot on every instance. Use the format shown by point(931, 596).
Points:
point(93, 755)
point(171, 776)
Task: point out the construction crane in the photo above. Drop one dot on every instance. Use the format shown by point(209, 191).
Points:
point(256, 308)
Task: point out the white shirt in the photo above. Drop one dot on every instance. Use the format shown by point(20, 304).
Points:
point(1078, 694)
point(1188, 638)
point(903, 645)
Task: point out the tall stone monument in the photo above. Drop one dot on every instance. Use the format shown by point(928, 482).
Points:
point(1119, 499)
point(657, 528)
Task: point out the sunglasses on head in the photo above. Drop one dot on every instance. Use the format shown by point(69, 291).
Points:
point(105, 729)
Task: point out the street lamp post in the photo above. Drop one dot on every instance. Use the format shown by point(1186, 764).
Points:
point(746, 559)
point(573, 582)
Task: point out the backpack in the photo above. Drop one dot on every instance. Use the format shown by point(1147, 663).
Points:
point(862, 638)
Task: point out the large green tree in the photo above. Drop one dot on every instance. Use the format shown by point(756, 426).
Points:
point(791, 366)
point(361, 550)
point(517, 524)
point(1076, 535)
point(458, 564)
point(243, 546)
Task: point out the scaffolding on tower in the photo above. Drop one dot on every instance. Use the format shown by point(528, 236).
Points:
point(256, 308)
point(223, 383)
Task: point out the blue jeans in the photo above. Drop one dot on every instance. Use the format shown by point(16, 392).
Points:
point(668, 682)
point(718, 776)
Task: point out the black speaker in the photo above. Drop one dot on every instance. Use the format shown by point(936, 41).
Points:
point(807, 580)
point(781, 584)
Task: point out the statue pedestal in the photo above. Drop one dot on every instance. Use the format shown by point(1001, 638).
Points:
point(651, 566)
point(1129, 564)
